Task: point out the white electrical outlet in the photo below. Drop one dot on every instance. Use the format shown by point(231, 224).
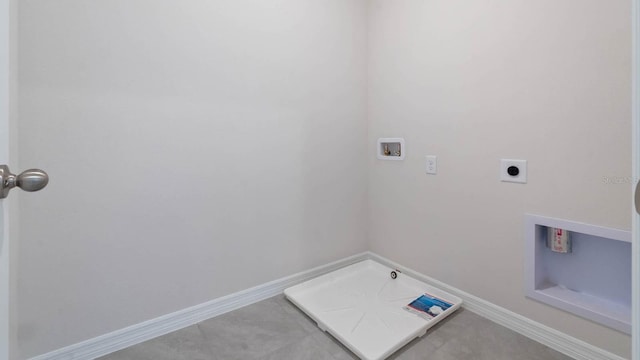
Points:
point(513, 171)
point(432, 164)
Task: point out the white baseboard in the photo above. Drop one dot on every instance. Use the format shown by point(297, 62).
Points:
point(132, 335)
point(543, 334)
point(135, 334)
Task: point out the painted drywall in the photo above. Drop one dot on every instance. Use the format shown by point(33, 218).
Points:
point(202, 147)
point(475, 81)
point(196, 148)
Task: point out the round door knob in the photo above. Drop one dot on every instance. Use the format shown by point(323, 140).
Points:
point(637, 197)
point(32, 180)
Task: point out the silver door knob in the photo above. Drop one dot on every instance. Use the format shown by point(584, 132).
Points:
point(637, 197)
point(28, 180)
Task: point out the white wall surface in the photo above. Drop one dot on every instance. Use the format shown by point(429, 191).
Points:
point(476, 81)
point(195, 148)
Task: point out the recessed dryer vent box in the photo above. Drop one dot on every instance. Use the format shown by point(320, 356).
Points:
point(390, 149)
point(590, 277)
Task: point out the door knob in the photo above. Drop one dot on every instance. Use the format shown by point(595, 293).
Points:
point(28, 180)
point(637, 197)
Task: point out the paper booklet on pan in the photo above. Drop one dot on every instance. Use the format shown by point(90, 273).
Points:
point(428, 306)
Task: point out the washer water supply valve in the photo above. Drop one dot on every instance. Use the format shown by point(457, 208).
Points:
point(391, 149)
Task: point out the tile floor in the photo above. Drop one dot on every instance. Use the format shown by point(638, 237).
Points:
point(276, 329)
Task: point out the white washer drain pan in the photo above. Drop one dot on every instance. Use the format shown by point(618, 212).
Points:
point(363, 307)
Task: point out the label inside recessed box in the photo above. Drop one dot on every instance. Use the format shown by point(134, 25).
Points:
point(559, 240)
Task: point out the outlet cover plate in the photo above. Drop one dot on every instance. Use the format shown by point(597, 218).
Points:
point(520, 164)
point(431, 164)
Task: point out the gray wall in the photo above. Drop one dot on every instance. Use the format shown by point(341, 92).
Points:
point(196, 148)
point(476, 81)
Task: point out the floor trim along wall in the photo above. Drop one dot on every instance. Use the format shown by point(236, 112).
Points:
point(120, 339)
point(135, 334)
point(545, 335)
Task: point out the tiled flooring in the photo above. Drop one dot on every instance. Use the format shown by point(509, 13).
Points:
point(276, 329)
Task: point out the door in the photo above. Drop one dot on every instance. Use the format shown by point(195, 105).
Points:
point(4, 158)
point(7, 12)
point(635, 321)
